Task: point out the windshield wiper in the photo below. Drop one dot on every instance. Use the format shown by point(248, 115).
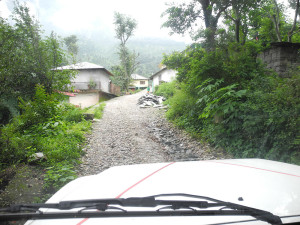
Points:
point(118, 207)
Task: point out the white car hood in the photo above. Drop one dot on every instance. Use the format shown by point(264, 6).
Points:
point(266, 185)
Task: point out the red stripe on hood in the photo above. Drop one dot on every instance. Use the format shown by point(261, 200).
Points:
point(252, 167)
point(132, 186)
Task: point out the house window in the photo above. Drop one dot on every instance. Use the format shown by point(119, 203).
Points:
point(142, 82)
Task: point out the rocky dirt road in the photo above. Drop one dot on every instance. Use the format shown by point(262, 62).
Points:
point(128, 134)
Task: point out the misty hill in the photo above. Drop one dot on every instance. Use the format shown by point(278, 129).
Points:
point(103, 51)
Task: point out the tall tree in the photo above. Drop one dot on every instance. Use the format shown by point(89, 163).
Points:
point(184, 17)
point(267, 22)
point(72, 46)
point(275, 17)
point(124, 27)
point(27, 59)
point(238, 14)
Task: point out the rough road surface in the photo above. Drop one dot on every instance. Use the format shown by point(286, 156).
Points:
point(128, 134)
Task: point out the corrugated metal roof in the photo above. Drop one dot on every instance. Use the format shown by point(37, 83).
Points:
point(80, 66)
point(138, 77)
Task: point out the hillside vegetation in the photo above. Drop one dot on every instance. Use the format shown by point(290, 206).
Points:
point(34, 117)
point(224, 95)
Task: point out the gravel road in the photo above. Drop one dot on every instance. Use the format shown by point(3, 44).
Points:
point(128, 134)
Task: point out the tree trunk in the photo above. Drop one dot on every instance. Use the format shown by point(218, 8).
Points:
point(207, 11)
point(237, 21)
point(290, 33)
point(237, 30)
point(276, 20)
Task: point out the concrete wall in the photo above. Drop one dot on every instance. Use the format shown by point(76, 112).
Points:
point(163, 76)
point(99, 76)
point(85, 99)
point(282, 57)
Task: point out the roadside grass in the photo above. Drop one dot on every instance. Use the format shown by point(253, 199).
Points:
point(96, 110)
point(48, 126)
point(99, 111)
point(62, 172)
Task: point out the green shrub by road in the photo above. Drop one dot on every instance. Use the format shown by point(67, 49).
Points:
point(46, 125)
point(230, 99)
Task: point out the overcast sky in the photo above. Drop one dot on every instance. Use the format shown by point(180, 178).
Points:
point(85, 16)
point(72, 16)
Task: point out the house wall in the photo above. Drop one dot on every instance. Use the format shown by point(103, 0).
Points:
point(137, 83)
point(84, 100)
point(165, 76)
point(99, 76)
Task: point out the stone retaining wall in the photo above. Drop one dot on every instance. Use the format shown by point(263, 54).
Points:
point(282, 57)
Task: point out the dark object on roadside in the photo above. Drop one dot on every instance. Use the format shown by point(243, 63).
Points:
point(88, 116)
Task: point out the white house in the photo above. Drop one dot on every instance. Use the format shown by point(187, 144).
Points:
point(164, 75)
point(91, 82)
point(139, 82)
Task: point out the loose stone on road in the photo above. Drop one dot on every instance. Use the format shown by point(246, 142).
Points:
point(128, 134)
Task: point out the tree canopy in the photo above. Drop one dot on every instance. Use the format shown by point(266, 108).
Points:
point(28, 59)
point(247, 19)
point(71, 43)
point(124, 27)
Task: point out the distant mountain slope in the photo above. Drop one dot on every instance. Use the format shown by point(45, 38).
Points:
point(151, 52)
point(103, 51)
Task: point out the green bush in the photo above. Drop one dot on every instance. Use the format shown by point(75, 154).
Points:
point(166, 89)
point(235, 103)
point(58, 175)
point(42, 108)
point(14, 144)
point(183, 110)
point(71, 113)
point(275, 102)
point(45, 126)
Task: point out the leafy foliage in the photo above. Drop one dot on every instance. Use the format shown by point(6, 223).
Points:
point(27, 59)
point(185, 17)
point(45, 125)
point(71, 43)
point(125, 27)
point(263, 20)
point(232, 101)
point(57, 176)
point(166, 89)
point(265, 124)
point(128, 60)
point(122, 73)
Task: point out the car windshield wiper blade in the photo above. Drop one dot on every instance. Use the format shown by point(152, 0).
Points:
point(118, 207)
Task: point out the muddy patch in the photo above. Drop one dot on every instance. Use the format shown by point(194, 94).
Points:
point(21, 184)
